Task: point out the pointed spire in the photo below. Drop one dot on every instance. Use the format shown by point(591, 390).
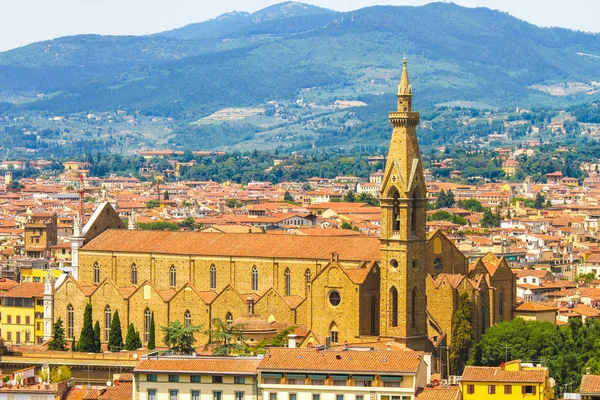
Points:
point(404, 88)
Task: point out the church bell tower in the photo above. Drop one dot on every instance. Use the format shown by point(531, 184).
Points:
point(403, 214)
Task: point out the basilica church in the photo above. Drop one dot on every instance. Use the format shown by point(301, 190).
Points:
point(401, 286)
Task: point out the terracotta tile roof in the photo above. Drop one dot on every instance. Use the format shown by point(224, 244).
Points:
point(26, 290)
point(301, 359)
point(231, 365)
point(439, 393)
point(590, 385)
point(358, 248)
point(496, 374)
point(535, 307)
point(121, 390)
point(7, 284)
point(293, 301)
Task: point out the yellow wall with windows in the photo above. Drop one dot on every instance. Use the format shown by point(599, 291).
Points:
point(14, 324)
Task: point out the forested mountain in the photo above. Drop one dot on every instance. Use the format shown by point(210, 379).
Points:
point(294, 51)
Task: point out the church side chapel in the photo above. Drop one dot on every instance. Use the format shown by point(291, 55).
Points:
point(343, 289)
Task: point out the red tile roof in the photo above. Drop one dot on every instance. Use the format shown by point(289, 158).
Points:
point(249, 245)
point(590, 385)
point(374, 361)
point(26, 290)
point(231, 365)
point(496, 374)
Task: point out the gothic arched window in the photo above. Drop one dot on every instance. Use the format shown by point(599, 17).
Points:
point(393, 306)
point(333, 333)
point(307, 275)
point(147, 319)
point(414, 213)
point(173, 276)
point(96, 273)
point(396, 210)
point(107, 321)
point(229, 318)
point(413, 308)
point(501, 305)
point(70, 322)
point(254, 278)
point(213, 277)
point(374, 315)
point(187, 318)
point(134, 275)
point(288, 282)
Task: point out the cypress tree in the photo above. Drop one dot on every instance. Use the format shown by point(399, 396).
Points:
point(86, 339)
point(130, 339)
point(462, 334)
point(137, 342)
point(58, 341)
point(97, 342)
point(152, 334)
point(115, 336)
point(73, 345)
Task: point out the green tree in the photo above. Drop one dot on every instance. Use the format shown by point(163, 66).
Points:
point(132, 340)
point(462, 334)
point(346, 225)
point(287, 197)
point(86, 341)
point(539, 201)
point(58, 341)
point(180, 338)
point(489, 220)
point(166, 195)
point(97, 342)
point(228, 339)
point(472, 205)
point(349, 197)
point(115, 336)
point(152, 203)
point(60, 374)
point(152, 334)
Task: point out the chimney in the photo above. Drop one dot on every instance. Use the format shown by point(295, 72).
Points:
point(588, 371)
point(292, 340)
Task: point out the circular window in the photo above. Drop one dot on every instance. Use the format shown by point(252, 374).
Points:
point(438, 265)
point(334, 298)
point(393, 264)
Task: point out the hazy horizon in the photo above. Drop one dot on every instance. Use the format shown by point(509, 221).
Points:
point(49, 20)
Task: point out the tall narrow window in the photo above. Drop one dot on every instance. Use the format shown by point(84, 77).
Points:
point(396, 210)
point(229, 318)
point(147, 318)
point(187, 318)
point(413, 310)
point(213, 277)
point(134, 274)
point(374, 315)
point(288, 282)
point(333, 333)
point(307, 275)
point(254, 278)
point(393, 306)
point(501, 305)
point(96, 273)
point(70, 322)
point(173, 275)
point(107, 321)
point(414, 213)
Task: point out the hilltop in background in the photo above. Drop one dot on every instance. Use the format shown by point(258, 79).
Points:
point(291, 76)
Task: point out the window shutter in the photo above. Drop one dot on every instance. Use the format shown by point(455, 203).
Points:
point(523, 389)
point(533, 390)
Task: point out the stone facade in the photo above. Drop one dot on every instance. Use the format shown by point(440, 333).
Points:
point(402, 287)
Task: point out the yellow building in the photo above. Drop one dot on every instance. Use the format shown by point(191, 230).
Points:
point(536, 312)
point(37, 273)
point(511, 381)
point(401, 286)
point(40, 235)
point(22, 314)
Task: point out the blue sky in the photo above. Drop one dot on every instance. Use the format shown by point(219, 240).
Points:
point(26, 21)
